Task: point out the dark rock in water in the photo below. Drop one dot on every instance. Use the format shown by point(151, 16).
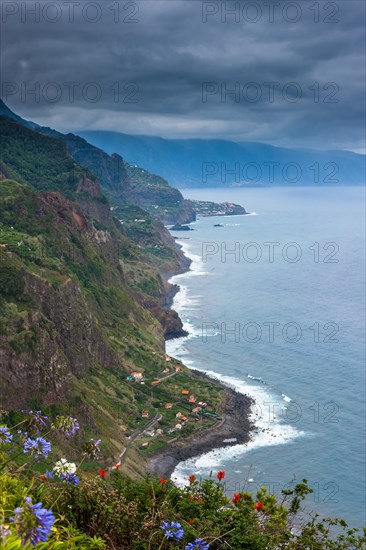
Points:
point(180, 227)
point(169, 320)
point(218, 225)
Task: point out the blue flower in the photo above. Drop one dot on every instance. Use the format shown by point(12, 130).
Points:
point(70, 478)
point(198, 544)
point(49, 474)
point(5, 435)
point(32, 522)
point(38, 447)
point(35, 421)
point(172, 530)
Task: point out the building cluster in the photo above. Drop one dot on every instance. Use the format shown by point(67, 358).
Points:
point(181, 418)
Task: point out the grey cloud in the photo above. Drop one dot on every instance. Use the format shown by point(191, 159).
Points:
point(171, 52)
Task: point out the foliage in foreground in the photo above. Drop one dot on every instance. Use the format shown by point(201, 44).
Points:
point(50, 503)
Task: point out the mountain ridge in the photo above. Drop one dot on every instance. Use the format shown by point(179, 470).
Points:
point(211, 163)
point(126, 183)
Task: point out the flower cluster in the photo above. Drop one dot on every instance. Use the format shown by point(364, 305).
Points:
point(5, 435)
point(64, 467)
point(66, 471)
point(70, 478)
point(198, 544)
point(35, 421)
point(4, 533)
point(172, 530)
point(220, 475)
point(66, 425)
point(33, 523)
point(38, 447)
point(258, 506)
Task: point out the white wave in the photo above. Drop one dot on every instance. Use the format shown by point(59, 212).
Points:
point(286, 398)
point(270, 429)
point(185, 302)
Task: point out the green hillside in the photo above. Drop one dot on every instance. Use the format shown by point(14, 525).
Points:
point(81, 305)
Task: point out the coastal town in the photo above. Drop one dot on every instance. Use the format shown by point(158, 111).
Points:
point(167, 406)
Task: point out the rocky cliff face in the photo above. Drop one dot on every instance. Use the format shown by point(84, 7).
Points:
point(71, 308)
point(83, 290)
point(44, 348)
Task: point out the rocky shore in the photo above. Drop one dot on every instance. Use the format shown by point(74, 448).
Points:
point(231, 428)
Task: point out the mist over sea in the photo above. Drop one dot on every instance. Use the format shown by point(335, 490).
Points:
point(286, 306)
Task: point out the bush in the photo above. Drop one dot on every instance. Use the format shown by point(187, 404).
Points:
point(64, 508)
point(11, 282)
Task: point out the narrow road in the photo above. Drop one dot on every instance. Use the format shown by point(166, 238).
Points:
point(138, 433)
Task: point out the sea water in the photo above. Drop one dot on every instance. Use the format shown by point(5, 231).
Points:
point(279, 295)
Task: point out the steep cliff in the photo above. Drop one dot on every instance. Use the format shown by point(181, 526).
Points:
point(83, 305)
point(77, 295)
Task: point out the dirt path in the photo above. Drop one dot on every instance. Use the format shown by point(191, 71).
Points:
point(138, 433)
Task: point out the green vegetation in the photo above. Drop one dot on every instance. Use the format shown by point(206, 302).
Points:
point(73, 294)
point(125, 183)
point(83, 506)
point(143, 229)
point(25, 157)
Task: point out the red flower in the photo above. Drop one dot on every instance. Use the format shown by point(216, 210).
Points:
point(236, 497)
point(191, 497)
point(191, 521)
point(117, 465)
point(258, 506)
point(162, 481)
point(220, 474)
point(102, 472)
point(192, 478)
point(42, 478)
point(199, 500)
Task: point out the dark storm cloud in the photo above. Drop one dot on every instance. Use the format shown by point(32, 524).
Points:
point(162, 67)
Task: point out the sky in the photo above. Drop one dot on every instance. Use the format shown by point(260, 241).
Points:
point(287, 73)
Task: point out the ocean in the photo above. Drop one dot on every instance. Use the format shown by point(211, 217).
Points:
point(274, 306)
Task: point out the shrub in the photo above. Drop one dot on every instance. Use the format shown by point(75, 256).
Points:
point(64, 508)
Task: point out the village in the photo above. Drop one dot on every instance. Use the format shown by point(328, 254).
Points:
point(169, 406)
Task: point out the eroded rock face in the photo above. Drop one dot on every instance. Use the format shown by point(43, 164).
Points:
point(169, 320)
point(41, 373)
point(50, 345)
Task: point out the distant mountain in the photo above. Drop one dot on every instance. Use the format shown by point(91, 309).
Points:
point(221, 163)
point(124, 183)
point(127, 184)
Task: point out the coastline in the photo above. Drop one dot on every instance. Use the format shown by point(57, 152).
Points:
point(234, 423)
